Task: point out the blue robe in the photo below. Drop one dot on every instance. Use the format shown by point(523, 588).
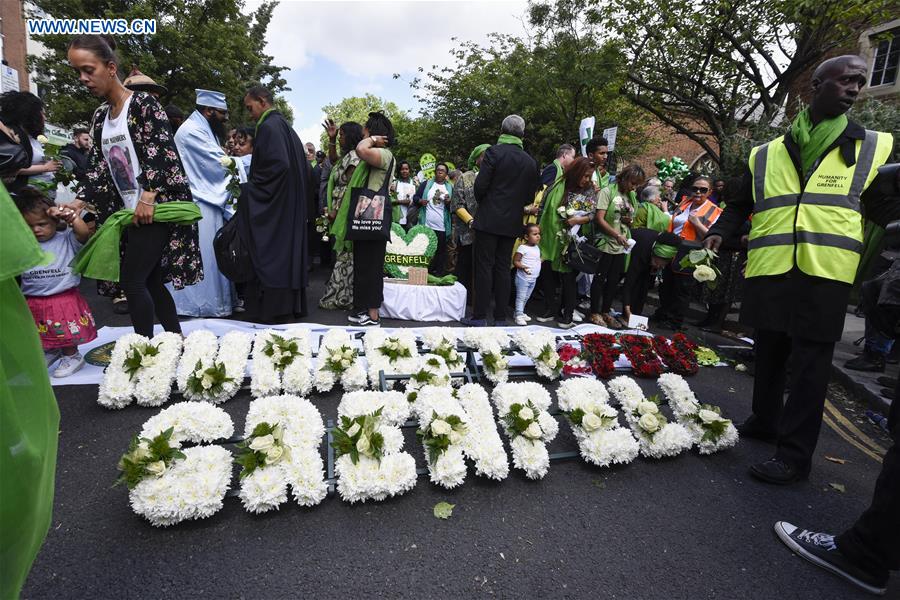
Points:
point(200, 154)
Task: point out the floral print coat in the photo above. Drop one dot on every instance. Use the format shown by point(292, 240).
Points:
point(161, 170)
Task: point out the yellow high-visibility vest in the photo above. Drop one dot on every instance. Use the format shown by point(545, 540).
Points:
point(817, 225)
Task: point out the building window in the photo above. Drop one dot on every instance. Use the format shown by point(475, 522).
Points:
point(887, 57)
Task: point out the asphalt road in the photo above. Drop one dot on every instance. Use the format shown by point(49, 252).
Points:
point(685, 528)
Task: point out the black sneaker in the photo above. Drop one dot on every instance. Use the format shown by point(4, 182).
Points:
point(778, 472)
point(820, 549)
point(545, 318)
point(367, 321)
point(357, 317)
point(870, 362)
point(886, 381)
point(752, 429)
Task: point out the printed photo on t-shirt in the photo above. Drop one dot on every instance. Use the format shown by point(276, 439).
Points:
point(121, 168)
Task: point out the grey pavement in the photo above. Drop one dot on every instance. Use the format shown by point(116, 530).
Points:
point(690, 527)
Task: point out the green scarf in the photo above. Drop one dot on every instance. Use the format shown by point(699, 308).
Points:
point(476, 152)
point(814, 141)
point(99, 258)
point(329, 189)
point(551, 223)
point(657, 220)
point(506, 138)
point(29, 415)
point(262, 118)
point(339, 227)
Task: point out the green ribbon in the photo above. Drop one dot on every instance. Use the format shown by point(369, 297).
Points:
point(262, 117)
point(506, 138)
point(445, 280)
point(814, 141)
point(476, 152)
point(99, 258)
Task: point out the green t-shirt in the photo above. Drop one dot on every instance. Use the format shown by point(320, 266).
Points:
point(376, 175)
point(615, 207)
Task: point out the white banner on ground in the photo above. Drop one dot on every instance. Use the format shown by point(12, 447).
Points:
point(610, 135)
point(585, 133)
point(92, 375)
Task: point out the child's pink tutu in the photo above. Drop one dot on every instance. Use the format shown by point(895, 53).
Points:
point(63, 319)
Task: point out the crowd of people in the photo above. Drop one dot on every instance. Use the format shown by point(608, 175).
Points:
point(564, 243)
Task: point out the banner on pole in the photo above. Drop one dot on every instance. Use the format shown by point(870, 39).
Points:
point(610, 135)
point(585, 133)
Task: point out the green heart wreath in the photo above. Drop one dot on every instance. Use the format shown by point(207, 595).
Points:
point(399, 257)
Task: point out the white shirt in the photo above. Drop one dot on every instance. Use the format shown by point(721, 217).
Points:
point(38, 158)
point(679, 221)
point(405, 191)
point(434, 212)
point(56, 276)
point(122, 160)
point(531, 258)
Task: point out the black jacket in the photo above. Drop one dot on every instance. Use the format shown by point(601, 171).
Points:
point(506, 182)
point(79, 157)
point(797, 303)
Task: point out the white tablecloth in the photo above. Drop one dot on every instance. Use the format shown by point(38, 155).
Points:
point(427, 303)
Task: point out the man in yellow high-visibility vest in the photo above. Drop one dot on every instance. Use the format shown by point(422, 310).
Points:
point(806, 191)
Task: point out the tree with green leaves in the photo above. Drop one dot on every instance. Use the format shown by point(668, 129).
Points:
point(713, 68)
point(207, 44)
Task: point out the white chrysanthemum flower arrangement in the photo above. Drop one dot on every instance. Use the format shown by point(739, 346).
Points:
point(210, 369)
point(372, 464)
point(522, 409)
point(168, 485)
point(492, 344)
point(710, 431)
point(393, 352)
point(140, 370)
point(283, 434)
point(442, 341)
point(430, 370)
point(339, 362)
point(282, 363)
point(539, 345)
point(443, 427)
point(482, 444)
point(658, 437)
point(595, 423)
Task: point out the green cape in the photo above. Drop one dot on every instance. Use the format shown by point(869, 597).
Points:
point(551, 223)
point(99, 259)
point(29, 416)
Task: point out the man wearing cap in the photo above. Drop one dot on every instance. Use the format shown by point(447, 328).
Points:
point(806, 190)
point(199, 144)
point(138, 82)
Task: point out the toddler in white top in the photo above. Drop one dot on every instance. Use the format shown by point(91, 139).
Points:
point(528, 266)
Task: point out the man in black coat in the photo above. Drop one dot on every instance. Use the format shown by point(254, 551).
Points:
point(797, 316)
point(506, 182)
point(77, 152)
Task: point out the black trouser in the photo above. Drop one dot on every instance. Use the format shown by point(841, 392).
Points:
point(674, 294)
point(569, 294)
point(797, 420)
point(606, 282)
point(872, 543)
point(548, 282)
point(141, 278)
point(637, 295)
point(464, 269)
point(438, 264)
point(492, 256)
point(368, 274)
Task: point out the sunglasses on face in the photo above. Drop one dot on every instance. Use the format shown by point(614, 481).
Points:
point(699, 190)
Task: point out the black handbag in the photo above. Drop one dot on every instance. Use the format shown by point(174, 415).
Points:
point(232, 254)
point(13, 154)
point(369, 216)
point(583, 256)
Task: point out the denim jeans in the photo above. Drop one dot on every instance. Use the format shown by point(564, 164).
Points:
point(524, 287)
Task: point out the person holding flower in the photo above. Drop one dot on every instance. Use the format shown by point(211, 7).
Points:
point(433, 198)
point(133, 124)
point(198, 142)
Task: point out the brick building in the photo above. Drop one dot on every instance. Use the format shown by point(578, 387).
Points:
point(14, 40)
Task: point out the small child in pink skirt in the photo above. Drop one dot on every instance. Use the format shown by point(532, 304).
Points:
point(61, 314)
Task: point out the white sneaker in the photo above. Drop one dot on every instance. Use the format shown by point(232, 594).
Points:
point(521, 320)
point(69, 365)
point(51, 356)
point(527, 318)
point(577, 316)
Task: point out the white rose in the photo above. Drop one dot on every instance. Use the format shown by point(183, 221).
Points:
point(147, 360)
point(42, 139)
point(534, 431)
point(278, 432)
point(649, 423)
point(156, 468)
point(708, 416)
point(363, 446)
point(262, 443)
point(348, 354)
point(570, 211)
point(455, 437)
point(647, 408)
point(206, 382)
point(704, 273)
point(226, 161)
point(354, 429)
point(274, 454)
point(345, 363)
point(591, 422)
point(141, 452)
point(607, 411)
point(440, 427)
point(526, 414)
